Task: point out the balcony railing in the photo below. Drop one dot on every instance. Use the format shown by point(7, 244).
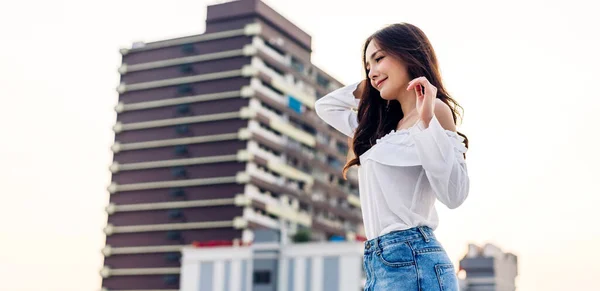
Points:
point(268, 50)
point(256, 127)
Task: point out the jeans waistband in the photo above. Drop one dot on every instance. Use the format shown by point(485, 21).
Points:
point(418, 232)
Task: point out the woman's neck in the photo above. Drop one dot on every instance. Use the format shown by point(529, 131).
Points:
point(408, 102)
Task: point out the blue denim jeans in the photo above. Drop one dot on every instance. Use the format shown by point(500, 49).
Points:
point(408, 260)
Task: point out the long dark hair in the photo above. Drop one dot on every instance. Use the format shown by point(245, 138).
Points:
point(377, 117)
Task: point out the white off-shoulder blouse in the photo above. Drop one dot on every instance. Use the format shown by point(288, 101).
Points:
point(402, 175)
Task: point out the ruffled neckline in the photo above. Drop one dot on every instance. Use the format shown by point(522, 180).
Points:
point(406, 131)
point(397, 132)
point(392, 133)
point(397, 147)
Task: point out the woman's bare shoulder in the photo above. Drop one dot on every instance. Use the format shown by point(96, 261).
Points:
point(443, 113)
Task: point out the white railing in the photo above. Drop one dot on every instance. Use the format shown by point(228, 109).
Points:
point(253, 216)
point(254, 193)
point(122, 107)
point(256, 105)
point(249, 29)
point(263, 67)
point(114, 187)
point(260, 44)
point(254, 148)
point(253, 170)
point(111, 229)
point(257, 85)
point(255, 127)
point(241, 156)
point(242, 134)
point(109, 251)
point(184, 60)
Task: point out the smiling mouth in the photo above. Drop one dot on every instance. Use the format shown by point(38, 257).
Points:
point(381, 82)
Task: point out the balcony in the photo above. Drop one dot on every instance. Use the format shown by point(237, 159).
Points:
point(267, 69)
point(256, 127)
point(329, 222)
point(269, 50)
point(255, 148)
point(254, 216)
point(264, 110)
point(264, 174)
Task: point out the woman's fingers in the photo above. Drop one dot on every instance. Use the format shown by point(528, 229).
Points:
point(419, 90)
point(419, 85)
point(420, 80)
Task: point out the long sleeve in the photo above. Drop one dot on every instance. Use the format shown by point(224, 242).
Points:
point(441, 154)
point(336, 107)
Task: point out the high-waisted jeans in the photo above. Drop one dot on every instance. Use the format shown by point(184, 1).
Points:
point(411, 260)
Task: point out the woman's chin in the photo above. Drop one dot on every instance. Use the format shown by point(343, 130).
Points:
point(385, 96)
point(382, 94)
point(388, 94)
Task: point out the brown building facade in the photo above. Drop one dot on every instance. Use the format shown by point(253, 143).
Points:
point(216, 139)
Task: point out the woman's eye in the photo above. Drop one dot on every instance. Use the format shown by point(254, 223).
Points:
point(378, 59)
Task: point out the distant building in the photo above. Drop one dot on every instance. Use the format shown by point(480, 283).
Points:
point(488, 269)
point(320, 266)
point(216, 138)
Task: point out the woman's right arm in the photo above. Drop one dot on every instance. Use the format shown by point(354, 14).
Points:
point(336, 107)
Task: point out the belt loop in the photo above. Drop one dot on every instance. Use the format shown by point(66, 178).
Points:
point(423, 233)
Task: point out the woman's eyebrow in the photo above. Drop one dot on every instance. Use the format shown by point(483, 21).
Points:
point(373, 55)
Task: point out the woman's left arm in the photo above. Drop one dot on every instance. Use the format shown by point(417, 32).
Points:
point(439, 147)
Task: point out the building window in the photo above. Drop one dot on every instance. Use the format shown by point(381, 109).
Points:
point(184, 89)
point(178, 172)
point(182, 129)
point(173, 257)
point(262, 277)
point(341, 147)
point(188, 48)
point(335, 163)
point(174, 235)
point(171, 279)
point(175, 213)
point(176, 192)
point(183, 108)
point(322, 81)
point(181, 150)
point(186, 69)
point(297, 65)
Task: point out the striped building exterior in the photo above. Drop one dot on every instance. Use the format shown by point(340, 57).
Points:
point(261, 267)
point(216, 137)
point(488, 268)
point(222, 268)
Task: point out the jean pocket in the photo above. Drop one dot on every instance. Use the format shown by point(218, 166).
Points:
point(396, 255)
point(446, 277)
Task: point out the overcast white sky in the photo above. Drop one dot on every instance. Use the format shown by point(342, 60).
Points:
point(525, 71)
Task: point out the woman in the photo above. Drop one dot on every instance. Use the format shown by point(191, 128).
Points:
point(404, 140)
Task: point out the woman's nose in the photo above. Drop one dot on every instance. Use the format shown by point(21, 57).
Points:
point(372, 75)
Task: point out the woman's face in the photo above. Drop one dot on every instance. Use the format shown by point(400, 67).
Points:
point(387, 74)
